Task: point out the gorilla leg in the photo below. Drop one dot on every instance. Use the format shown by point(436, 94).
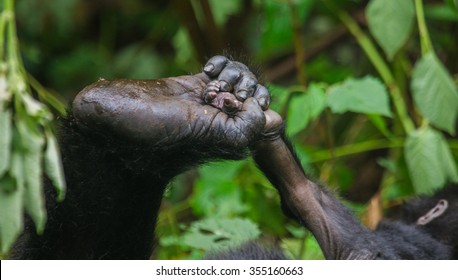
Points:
point(122, 142)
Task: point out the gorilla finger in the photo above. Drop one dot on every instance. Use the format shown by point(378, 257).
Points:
point(215, 65)
point(252, 113)
point(245, 87)
point(262, 95)
point(211, 91)
point(229, 77)
point(243, 127)
point(210, 96)
point(252, 117)
point(231, 106)
point(242, 67)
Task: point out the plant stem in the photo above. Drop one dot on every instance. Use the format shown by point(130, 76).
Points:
point(3, 20)
point(46, 96)
point(377, 61)
point(356, 148)
point(425, 40)
point(11, 49)
point(298, 44)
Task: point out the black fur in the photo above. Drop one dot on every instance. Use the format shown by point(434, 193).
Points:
point(122, 143)
point(100, 217)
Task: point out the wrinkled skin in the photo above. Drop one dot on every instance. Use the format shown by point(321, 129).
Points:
point(122, 143)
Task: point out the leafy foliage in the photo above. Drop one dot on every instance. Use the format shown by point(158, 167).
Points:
point(23, 121)
point(391, 22)
point(350, 112)
point(305, 108)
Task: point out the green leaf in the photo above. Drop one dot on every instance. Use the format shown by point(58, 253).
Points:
point(367, 95)
point(32, 173)
point(5, 140)
point(305, 107)
point(435, 93)
point(316, 100)
point(217, 192)
point(53, 166)
point(216, 234)
point(429, 160)
point(390, 22)
point(11, 205)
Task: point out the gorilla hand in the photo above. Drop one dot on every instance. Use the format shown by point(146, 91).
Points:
point(234, 84)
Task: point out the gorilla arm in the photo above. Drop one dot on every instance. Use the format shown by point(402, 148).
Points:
point(337, 231)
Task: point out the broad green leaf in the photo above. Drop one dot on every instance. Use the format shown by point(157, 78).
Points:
point(429, 160)
point(305, 107)
point(33, 193)
point(217, 192)
point(367, 95)
point(53, 166)
point(216, 234)
point(11, 205)
point(5, 140)
point(390, 22)
point(435, 93)
point(317, 100)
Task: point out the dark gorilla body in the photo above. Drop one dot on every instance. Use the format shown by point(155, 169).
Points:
point(124, 141)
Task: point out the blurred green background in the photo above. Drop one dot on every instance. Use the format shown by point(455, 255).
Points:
point(350, 77)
